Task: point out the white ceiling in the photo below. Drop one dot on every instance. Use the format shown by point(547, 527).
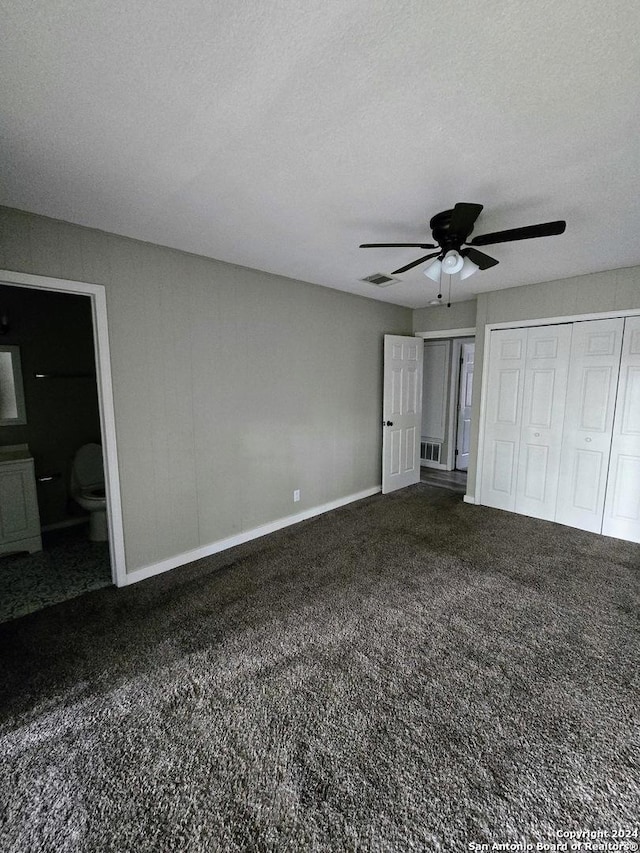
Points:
point(280, 135)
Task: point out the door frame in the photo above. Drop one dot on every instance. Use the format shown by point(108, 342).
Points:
point(521, 324)
point(97, 295)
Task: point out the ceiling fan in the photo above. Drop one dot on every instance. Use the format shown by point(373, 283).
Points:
point(456, 253)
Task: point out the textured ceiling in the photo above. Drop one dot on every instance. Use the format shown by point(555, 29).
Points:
point(280, 135)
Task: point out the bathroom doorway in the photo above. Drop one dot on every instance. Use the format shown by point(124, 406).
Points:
point(59, 329)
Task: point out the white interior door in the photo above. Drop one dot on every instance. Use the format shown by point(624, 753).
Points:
point(401, 411)
point(463, 440)
point(588, 423)
point(503, 418)
point(545, 386)
point(622, 503)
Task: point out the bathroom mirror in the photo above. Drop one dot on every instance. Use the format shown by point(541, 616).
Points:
point(12, 410)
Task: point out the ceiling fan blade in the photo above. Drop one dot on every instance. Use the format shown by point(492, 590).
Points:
point(545, 229)
point(464, 218)
point(479, 258)
point(415, 263)
point(397, 246)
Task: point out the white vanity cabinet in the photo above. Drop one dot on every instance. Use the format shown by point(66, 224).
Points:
point(19, 517)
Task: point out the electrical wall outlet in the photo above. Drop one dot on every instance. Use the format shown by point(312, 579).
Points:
point(296, 496)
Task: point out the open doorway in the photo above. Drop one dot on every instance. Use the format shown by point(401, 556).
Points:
point(446, 415)
point(56, 547)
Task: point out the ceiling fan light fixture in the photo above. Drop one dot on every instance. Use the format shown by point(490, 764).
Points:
point(451, 230)
point(433, 270)
point(452, 262)
point(468, 268)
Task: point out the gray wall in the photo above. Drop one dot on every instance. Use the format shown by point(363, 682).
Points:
point(232, 387)
point(55, 334)
point(461, 315)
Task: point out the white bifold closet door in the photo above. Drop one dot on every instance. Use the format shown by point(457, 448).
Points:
point(562, 424)
point(503, 418)
point(545, 388)
point(524, 419)
point(622, 503)
point(588, 422)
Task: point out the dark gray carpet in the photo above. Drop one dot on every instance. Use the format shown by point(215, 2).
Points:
point(407, 673)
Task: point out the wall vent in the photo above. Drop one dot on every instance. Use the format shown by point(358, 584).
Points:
point(380, 279)
point(430, 451)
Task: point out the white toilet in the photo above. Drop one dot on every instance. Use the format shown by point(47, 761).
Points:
point(87, 489)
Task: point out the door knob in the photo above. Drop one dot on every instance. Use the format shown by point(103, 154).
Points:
point(587, 439)
point(388, 423)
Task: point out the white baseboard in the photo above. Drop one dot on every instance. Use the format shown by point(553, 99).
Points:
point(240, 538)
point(469, 499)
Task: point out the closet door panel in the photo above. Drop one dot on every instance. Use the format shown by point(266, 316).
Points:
point(545, 387)
point(588, 425)
point(622, 505)
point(507, 356)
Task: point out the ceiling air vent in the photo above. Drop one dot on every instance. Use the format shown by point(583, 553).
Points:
point(380, 279)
